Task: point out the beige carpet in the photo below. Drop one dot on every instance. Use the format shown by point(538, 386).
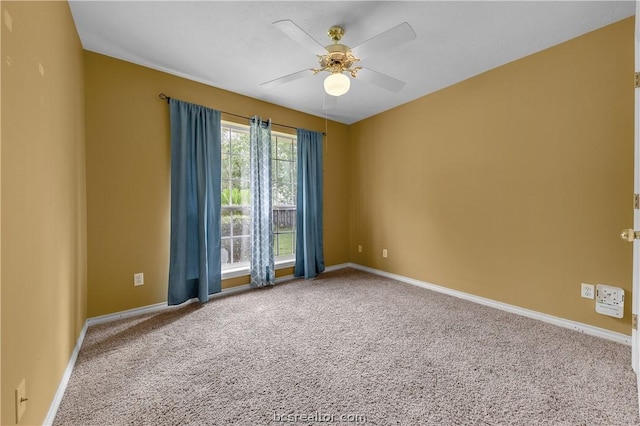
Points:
point(346, 348)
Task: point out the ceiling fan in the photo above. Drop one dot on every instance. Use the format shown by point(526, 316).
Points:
point(340, 60)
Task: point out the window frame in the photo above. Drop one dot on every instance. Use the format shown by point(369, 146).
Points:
point(243, 268)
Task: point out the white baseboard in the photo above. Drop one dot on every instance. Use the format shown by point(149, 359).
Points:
point(57, 398)
point(161, 307)
point(340, 266)
point(101, 319)
point(561, 322)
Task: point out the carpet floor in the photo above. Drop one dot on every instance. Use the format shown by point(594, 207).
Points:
point(346, 348)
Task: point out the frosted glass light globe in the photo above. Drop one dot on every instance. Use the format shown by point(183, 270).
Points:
point(337, 84)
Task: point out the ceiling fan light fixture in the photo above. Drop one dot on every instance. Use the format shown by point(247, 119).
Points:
point(337, 84)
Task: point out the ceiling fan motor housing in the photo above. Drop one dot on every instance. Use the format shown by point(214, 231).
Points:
point(338, 58)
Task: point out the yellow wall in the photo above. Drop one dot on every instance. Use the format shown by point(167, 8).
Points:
point(43, 202)
point(128, 181)
point(512, 185)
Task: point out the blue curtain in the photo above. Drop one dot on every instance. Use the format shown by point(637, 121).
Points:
point(194, 268)
point(309, 245)
point(262, 265)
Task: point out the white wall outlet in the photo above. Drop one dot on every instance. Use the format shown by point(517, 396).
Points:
point(21, 400)
point(587, 291)
point(359, 248)
point(384, 253)
point(138, 279)
point(610, 300)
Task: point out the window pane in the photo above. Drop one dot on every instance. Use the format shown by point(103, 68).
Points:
point(240, 193)
point(239, 143)
point(240, 167)
point(225, 252)
point(294, 170)
point(225, 223)
point(241, 249)
point(285, 244)
point(274, 168)
point(284, 219)
point(284, 149)
point(275, 245)
point(283, 173)
point(225, 195)
point(284, 195)
point(293, 196)
point(241, 222)
point(225, 140)
point(225, 173)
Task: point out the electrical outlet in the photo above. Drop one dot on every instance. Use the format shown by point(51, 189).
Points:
point(359, 248)
point(384, 253)
point(610, 300)
point(587, 291)
point(138, 279)
point(21, 400)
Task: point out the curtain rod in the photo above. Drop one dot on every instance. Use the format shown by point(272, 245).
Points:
point(167, 98)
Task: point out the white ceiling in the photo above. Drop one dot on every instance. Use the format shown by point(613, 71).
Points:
point(234, 46)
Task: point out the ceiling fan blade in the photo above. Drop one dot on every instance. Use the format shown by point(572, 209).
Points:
point(286, 79)
point(391, 38)
point(381, 80)
point(298, 34)
point(330, 102)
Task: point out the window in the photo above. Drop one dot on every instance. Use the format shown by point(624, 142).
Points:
point(283, 169)
point(236, 196)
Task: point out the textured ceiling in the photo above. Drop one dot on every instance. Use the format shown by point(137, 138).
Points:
point(234, 46)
